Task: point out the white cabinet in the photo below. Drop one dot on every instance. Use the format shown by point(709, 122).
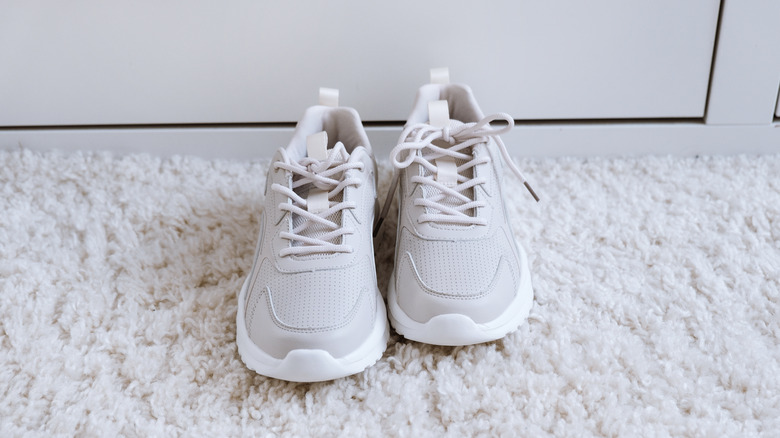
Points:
point(746, 74)
point(183, 76)
point(89, 62)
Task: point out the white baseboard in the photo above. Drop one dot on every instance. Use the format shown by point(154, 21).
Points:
point(537, 140)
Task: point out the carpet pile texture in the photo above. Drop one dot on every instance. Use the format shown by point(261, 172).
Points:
point(657, 307)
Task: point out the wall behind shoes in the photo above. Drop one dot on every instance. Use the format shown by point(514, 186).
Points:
point(231, 78)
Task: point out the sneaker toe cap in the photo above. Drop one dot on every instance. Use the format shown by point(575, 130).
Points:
point(482, 298)
point(312, 321)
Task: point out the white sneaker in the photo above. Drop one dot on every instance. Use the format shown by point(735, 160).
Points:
point(310, 309)
point(460, 277)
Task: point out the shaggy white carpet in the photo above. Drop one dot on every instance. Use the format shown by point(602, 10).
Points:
point(657, 307)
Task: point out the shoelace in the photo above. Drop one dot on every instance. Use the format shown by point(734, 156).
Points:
point(327, 175)
point(421, 136)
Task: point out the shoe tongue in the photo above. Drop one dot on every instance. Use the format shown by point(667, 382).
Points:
point(317, 199)
point(317, 146)
point(447, 173)
point(447, 166)
point(451, 126)
point(455, 124)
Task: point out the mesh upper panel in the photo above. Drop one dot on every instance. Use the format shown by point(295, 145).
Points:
point(458, 268)
point(318, 300)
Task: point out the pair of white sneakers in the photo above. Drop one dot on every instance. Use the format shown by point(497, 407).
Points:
point(310, 309)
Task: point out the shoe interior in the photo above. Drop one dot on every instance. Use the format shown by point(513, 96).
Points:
point(461, 102)
point(341, 123)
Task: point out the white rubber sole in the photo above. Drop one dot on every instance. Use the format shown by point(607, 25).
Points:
point(311, 365)
point(455, 329)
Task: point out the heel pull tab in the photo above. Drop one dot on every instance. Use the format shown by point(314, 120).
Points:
point(329, 97)
point(440, 75)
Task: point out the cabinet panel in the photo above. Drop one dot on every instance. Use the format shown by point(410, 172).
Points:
point(746, 73)
point(195, 61)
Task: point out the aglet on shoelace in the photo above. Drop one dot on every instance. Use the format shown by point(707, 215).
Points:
point(461, 138)
point(328, 175)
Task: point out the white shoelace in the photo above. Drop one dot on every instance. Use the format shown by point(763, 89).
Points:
point(328, 175)
point(419, 148)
